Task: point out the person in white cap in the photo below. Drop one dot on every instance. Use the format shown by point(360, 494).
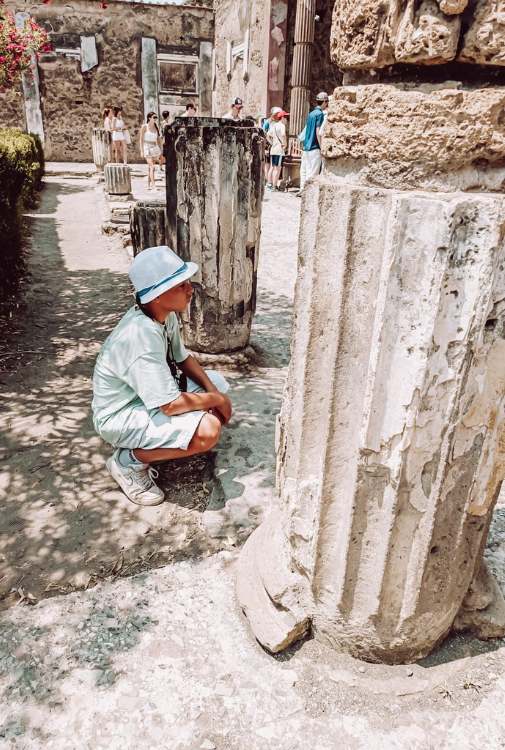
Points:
point(311, 154)
point(152, 401)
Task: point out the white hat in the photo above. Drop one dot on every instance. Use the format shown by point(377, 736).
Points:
point(275, 111)
point(156, 270)
point(322, 97)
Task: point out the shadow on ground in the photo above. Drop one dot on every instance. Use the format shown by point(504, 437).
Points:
point(64, 523)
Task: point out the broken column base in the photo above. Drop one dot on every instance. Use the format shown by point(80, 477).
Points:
point(274, 602)
point(483, 610)
point(390, 457)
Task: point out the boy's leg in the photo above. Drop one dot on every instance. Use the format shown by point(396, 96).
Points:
point(205, 438)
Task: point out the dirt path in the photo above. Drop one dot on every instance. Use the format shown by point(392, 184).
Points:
point(64, 524)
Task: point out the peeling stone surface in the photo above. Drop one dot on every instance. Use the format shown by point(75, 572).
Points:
point(214, 200)
point(390, 456)
point(436, 137)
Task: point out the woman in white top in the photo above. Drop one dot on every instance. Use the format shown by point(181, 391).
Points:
point(107, 119)
point(119, 145)
point(149, 145)
point(277, 138)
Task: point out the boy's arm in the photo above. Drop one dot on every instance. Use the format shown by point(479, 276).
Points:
point(193, 369)
point(194, 402)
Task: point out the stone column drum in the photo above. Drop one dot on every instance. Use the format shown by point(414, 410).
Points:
point(214, 194)
point(148, 224)
point(100, 144)
point(391, 450)
point(117, 179)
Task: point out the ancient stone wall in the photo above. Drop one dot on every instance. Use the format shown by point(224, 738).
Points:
point(72, 101)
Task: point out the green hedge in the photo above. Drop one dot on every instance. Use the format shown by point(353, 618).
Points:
point(21, 170)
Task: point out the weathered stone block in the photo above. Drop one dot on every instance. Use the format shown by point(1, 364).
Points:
point(117, 179)
point(391, 451)
point(148, 224)
point(426, 35)
point(484, 42)
point(375, 33)
point(214, 196)
point(443, 138)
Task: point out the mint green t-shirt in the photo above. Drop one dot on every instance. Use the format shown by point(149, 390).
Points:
point(132, 365)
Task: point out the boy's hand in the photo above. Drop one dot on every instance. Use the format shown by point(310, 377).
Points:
point(223, 410)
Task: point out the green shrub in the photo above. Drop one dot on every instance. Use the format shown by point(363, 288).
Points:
point(21, 171)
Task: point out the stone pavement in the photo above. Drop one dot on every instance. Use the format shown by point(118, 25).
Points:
point(164, 660)
point(65, 524)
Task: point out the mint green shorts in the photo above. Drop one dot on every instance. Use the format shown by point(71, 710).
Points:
point(138, 427)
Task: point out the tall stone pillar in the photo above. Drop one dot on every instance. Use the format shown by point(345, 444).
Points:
point(391, 449)
point(214, 199)
point(302, 63)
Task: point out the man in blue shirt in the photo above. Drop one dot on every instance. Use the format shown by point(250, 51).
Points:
point(311, 154)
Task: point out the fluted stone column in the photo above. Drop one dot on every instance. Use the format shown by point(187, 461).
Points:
point(100, 144)
point(148, 224)
point(391, 448)
point(214, 196)
point(118, 179)
point(302, 64)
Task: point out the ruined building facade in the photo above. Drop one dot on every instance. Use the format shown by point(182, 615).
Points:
point(156, 55)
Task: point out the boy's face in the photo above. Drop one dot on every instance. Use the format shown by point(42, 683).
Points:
point(176, 299)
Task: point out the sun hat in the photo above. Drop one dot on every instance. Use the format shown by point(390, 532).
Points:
point(322, 97)
point(156, 270)
point(275, 111)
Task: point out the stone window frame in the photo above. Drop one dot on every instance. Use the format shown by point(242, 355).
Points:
point(174, 57)
point(236, 51)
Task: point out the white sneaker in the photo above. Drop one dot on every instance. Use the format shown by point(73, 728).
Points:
point(137, 484)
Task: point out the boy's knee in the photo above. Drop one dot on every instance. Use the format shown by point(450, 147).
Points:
point(209, 431)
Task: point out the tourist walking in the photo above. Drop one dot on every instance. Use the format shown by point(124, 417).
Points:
point(119, 137)
point(152, 401)
point(278, 140)
point(235, 113)
point(311, 154)
point(150, 146)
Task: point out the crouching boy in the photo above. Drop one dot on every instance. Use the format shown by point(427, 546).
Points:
point(152, 401)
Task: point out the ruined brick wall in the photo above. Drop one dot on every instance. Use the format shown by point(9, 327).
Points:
point(72, 101)
point(233, 19)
